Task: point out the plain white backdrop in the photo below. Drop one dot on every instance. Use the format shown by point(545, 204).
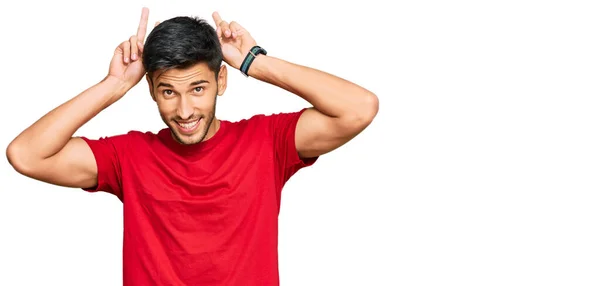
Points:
point(481, 167)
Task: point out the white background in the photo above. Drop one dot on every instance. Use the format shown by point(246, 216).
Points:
point(481, 167)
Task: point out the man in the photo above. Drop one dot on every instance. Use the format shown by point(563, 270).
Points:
point(201, 197)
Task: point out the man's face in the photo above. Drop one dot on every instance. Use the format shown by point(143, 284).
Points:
point(186, 100)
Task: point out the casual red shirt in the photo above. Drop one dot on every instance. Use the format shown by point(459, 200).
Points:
point(203, 214)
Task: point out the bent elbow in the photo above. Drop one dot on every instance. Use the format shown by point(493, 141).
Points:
point(361, 116)
point(367, 111)
point(371, 108)
point(16, 158)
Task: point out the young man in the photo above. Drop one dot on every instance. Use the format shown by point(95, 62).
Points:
point(201, 197)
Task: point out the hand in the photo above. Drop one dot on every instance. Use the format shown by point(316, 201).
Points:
point(126, 64)
point(235, 41)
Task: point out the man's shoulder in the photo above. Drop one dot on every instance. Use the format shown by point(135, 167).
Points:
point(146, 134)
point(265, 118)
point(247, 120)
point(126, 137)
point(139, 137)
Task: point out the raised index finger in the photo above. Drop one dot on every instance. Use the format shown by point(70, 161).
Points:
point(217, 18)
point(141, 33)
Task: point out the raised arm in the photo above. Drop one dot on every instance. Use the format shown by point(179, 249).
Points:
point(341, 109)
point(47, 150)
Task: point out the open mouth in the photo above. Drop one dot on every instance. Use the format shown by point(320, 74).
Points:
point(188, 127)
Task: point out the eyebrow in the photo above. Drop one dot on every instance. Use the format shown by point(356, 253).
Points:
point(191, 84)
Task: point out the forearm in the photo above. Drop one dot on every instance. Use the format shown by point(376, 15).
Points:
point(329, 94)
point(50, 134)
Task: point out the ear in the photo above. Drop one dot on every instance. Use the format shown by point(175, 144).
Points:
point(150, 87)
point(222, 80)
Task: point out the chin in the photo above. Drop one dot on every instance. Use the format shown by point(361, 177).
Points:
point(190, 132)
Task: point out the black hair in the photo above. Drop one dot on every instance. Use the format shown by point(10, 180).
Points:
point(181, 42)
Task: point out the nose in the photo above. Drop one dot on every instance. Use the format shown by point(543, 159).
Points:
point(185, 110)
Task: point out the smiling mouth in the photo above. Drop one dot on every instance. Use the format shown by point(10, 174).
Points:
point(188, 127)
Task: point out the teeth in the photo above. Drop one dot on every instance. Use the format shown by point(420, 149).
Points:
point(189, 125)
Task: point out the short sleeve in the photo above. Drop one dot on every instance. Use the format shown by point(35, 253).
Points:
point(283, 129)
point(107, 152)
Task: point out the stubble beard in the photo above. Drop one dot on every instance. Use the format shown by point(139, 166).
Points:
point(190, 140)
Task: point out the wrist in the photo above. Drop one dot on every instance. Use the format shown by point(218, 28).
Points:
point(259, 68)
point(116, 87)
point(250, 57)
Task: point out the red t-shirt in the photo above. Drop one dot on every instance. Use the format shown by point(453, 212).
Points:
point(203, 214)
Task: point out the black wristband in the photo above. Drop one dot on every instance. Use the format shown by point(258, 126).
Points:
point(255, 51)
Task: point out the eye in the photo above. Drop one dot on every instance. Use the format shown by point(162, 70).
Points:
point(167, 92)
point(198, 89)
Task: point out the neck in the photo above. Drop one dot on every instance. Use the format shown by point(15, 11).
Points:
point(212, 129)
